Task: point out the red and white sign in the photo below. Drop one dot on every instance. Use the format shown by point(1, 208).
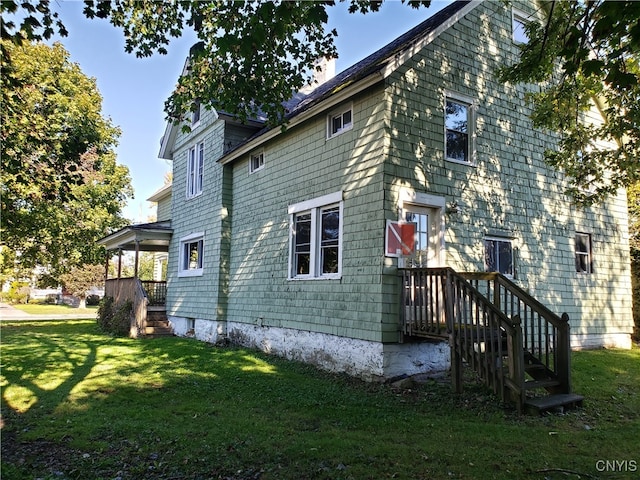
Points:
point(400, 238)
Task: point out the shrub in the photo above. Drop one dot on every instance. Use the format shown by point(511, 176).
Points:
point(18, 292)
point(93, 300)
point(105, 313)
point(115, 319)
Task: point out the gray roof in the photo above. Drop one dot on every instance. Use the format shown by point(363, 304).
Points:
point(377, 61)
point(374, 62)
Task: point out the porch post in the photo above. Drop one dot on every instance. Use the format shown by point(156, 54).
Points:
point(119, 263)
point(106, 266)
point(135, 265)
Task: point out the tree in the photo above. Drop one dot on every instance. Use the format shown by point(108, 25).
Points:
point(61, 187)
point(254, 54)
point(251, 57)
point(634, 240)
point(79, 280)
point(586, 55)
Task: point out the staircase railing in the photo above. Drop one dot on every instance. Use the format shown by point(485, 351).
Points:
point(156, 291)
point(545, 335)
point(492, 324)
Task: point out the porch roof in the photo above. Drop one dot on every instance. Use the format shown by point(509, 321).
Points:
point(149, 237)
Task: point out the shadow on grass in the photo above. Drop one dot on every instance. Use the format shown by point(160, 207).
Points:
point(86, 405)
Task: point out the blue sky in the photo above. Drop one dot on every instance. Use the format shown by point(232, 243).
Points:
point(134, 89)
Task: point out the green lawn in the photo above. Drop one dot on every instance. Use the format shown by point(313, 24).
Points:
point(43, 309)
point(78, 404)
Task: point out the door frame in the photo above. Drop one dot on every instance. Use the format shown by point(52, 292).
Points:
point(435, 206)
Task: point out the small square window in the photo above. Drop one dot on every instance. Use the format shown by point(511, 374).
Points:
point(583, 253)
point(340, 121)
point(256, 162)
point(191, 255)
point(498, 256)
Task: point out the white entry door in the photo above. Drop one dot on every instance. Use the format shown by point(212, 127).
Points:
point(428, 237)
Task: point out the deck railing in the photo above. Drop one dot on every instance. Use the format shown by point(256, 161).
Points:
point(156, 291)
point(491, 324)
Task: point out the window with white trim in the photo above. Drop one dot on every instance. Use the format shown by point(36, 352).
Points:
point(498, 255)
point(195, 170)
point(340, 121)
point(191, 255)
point(583, 253)
point(316, 238)
point(256, 162)
point(459, 130)
point(519, 21)
point(195, 113)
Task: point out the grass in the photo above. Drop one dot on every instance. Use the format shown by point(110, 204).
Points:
point(78, 404)
point(44, 309)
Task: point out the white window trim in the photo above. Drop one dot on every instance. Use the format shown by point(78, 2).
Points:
point(588, 254)
point(314, 206)
point(508, 240)
point(193, 272)
point(339, 112)
point(473, 105)
point(251, 157)
point(195, 183)
point(196, 122)
point(521, 17)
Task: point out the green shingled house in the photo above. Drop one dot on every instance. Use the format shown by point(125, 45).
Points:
point(340, 241)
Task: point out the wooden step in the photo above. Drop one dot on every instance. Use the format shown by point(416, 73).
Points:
point(552, 402)
point(158, 331)
point(534, 367)
point(542, 383)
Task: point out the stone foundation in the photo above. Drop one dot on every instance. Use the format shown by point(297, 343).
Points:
point(371, 361)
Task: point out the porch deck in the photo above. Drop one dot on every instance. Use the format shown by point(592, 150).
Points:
point(148, 299)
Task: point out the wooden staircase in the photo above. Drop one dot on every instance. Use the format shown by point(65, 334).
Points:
point(157, 324)
point(516, 345)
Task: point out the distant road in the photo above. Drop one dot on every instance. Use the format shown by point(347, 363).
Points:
point(7, 312)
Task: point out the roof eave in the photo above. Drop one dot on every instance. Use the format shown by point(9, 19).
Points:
point(126, 238)
point(344, 91)
point(161, 193)
point(341, 94)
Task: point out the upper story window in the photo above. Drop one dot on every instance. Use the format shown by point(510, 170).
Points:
point(583, 253)
point(498, 256)
point(195, 113)
point(195, 170)
point(316, 238)
point(340, 121)
point(519, 21)
point(459, 129)
point(256, 162)
point(191, 255)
